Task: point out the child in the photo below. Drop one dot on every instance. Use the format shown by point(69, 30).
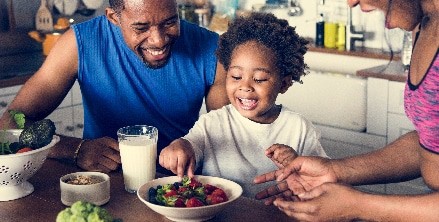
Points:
point(262, 56)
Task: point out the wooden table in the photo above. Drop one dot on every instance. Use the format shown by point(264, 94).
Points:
point(45, 202)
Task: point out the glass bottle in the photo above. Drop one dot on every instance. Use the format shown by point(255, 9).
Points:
point(341, 36)
point(320, 31)
point(407, 47)
point(330, 34)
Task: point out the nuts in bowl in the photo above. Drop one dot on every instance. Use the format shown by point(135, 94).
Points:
point(197, 205)
point(93, 187)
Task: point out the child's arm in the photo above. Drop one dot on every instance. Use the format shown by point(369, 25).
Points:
point(178, 157)
point(281, 154)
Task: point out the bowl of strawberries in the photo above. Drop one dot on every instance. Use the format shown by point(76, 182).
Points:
point(189, 199)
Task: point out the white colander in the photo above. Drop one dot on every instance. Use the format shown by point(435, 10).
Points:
point(16, 169)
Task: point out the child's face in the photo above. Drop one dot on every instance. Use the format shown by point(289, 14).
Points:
point(253, 82)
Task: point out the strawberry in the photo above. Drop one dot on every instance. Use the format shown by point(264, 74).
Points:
point(25, 149)
point(182, 189)
point(194, 183)
point(179, 203)
point(208, 189)
point(217, 196)
point(212, 199)
point(219, 192)
point(194, 202)
point(170, 193)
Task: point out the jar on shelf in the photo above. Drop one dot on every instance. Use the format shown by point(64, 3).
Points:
point(406, 51)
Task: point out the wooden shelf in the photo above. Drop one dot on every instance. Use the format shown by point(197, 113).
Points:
point(358, 52)
point(394, 71)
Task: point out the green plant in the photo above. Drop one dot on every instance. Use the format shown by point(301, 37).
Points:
point(6, 146)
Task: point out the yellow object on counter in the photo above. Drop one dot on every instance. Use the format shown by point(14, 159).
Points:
point(330, 35)
point(341, 36)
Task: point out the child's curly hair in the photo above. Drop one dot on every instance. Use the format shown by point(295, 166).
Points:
point(288, 47)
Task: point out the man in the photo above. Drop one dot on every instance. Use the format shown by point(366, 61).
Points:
point(138, 64)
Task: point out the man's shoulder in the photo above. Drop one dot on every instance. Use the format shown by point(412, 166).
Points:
point(92, 23)
point(194, 31)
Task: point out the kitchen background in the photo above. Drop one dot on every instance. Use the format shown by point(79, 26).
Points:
point(355, 113)
point(371, 24)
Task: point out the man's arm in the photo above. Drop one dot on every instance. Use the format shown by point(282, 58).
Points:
point(217, 96)
point(46, 89)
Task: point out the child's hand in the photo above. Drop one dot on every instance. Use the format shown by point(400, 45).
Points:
point(281, 154)
point(178, 157)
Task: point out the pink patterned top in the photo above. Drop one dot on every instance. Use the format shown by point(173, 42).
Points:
point(422, 106)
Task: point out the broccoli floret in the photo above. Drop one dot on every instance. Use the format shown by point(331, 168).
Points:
point(82, 211)
point(199, 191)
point(38, 134)
point(186, 181)
point(19, 118)
point(64, 215)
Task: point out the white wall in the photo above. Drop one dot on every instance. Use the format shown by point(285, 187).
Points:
point(340, 63)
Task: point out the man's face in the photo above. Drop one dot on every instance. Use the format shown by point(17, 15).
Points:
point(149, 28)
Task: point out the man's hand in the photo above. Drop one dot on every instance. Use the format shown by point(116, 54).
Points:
point(100, 154)
point(302, 174)
point(178, 157)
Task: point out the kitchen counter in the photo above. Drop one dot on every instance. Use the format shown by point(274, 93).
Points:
point(358, 52)
point(393, 72)
point(45, 202)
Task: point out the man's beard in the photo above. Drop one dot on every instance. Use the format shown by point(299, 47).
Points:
point(158, 65)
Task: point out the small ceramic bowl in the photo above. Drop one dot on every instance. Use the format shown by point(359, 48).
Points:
point(92, 187)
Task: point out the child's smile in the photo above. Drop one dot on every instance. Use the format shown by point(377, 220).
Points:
point(253, 82)
point(248, 104)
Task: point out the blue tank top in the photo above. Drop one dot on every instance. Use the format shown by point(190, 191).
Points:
point(118, 89)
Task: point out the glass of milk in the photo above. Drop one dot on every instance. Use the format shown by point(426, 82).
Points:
point(138, 151)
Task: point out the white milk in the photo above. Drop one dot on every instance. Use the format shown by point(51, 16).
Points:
point(138, 156)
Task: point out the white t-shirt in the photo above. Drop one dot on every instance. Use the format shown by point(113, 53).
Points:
point(230, 146)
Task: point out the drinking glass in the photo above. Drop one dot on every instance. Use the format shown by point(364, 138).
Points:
point(138, 152)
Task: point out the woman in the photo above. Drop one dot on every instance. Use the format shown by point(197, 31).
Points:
point(414, 154)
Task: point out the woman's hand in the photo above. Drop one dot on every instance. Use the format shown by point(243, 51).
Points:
point(302, 174)
point(328, 202)
point(178, 157)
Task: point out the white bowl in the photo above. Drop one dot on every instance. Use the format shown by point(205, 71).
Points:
point(97, 193)
point(232, 189)
point(16, 169)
